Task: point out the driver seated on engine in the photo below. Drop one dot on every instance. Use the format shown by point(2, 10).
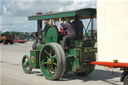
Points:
point(70, 32)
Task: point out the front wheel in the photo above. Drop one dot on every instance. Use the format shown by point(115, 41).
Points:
point(126, 80)
point(25, 65)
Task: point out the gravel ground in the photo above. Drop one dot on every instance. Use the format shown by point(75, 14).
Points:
point(12, 74)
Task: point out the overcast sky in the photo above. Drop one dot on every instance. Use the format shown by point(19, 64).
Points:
point(14, 13)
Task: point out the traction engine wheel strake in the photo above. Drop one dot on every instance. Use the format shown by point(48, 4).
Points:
point(63, 59)
point(51, 62)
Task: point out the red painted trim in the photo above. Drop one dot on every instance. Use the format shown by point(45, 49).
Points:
point(110, 64)
point(20, 41)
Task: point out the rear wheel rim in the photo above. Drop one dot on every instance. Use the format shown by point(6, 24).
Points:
point(63, 58)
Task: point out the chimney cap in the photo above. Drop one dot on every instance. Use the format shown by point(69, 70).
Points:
point(39, 13)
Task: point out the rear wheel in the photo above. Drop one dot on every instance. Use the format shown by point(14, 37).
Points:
point(25, 64)
point(126, 80)
point(51, 61)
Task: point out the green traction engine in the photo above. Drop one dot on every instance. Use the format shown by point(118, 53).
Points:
point(49, 56)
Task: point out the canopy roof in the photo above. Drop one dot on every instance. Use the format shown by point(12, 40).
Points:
point(83, 13)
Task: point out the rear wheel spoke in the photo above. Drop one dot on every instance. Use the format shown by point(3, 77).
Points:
point(55, 64)
point(47, 53)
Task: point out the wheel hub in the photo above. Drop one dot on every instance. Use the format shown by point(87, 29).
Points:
point(49, 61)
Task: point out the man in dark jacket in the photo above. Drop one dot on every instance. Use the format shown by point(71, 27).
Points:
point(78, 27)
point(71, 34)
